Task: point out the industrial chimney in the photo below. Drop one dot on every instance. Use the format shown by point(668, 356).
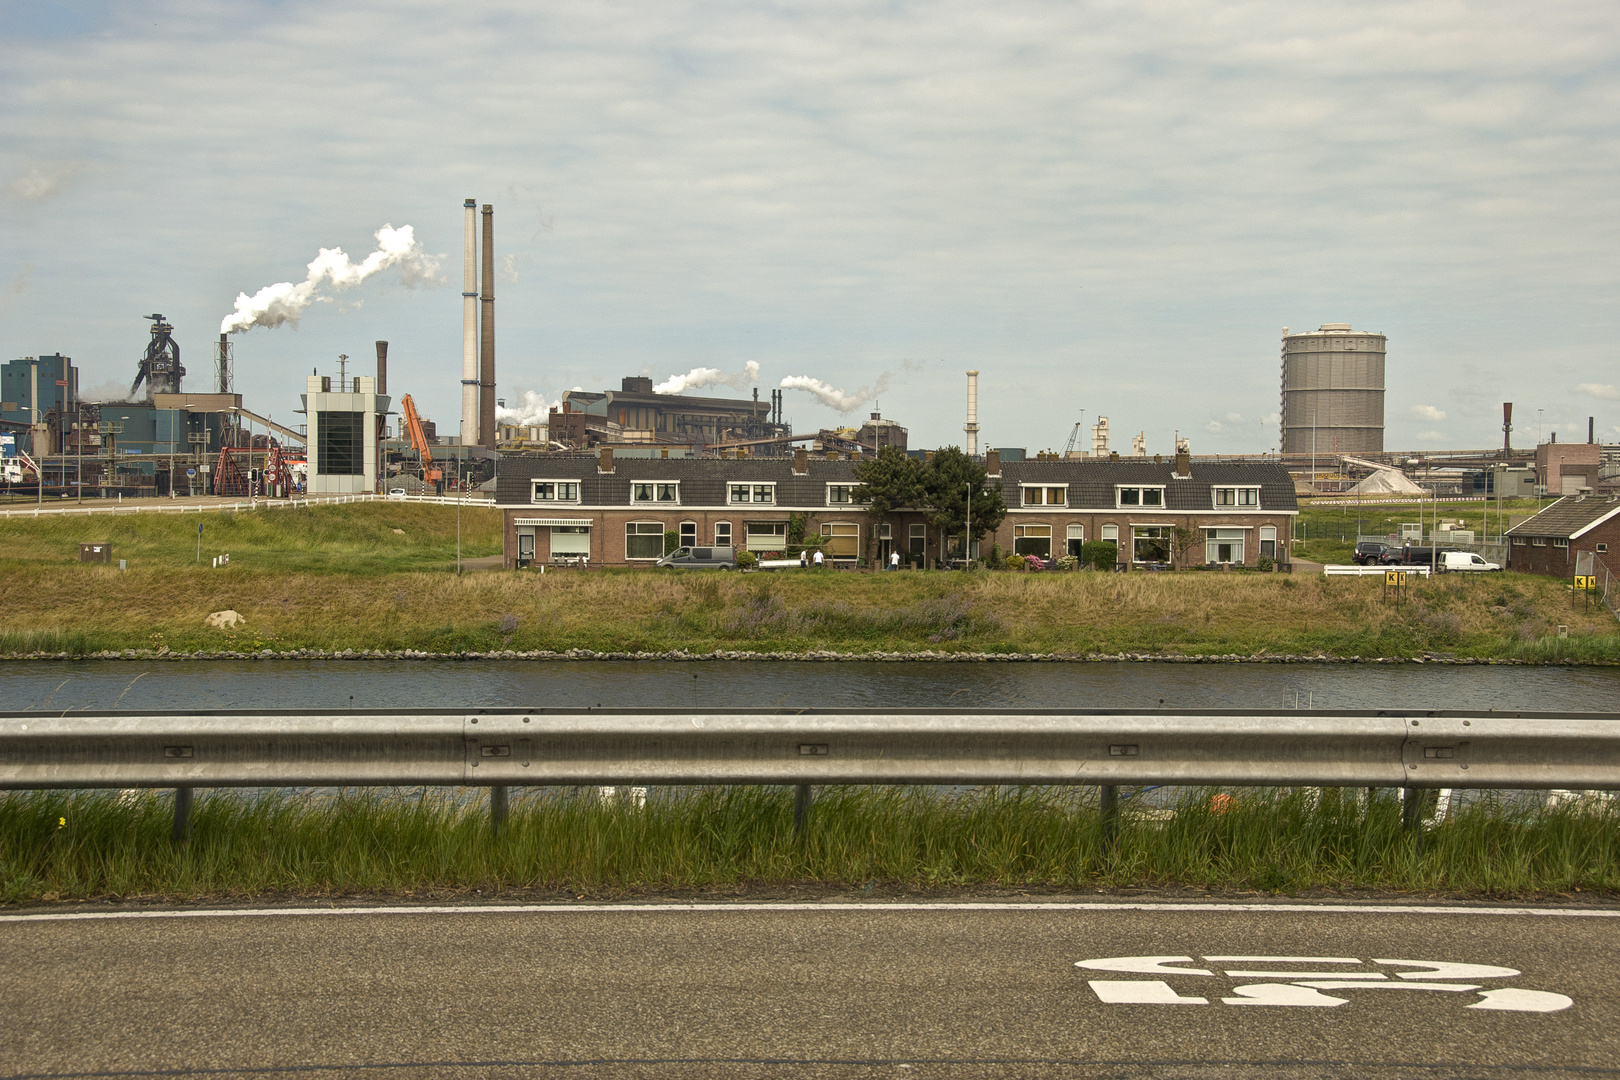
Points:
point(1507, 429)
point(486, 342)
point(972, 426)
point(382, 367)
point(222, 364)
point(469, 329)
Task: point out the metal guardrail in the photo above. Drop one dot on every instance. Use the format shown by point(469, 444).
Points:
point(183, 507)
point(497, 749)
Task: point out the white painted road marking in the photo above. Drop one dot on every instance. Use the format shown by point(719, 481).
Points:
point(1304, 988)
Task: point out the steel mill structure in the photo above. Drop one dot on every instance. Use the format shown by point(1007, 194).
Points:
point(1332, 391)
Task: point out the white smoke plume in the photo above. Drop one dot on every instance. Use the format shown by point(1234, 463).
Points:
point(699, 377)
point(530, 407)
point(286, 302)
point(834, 398)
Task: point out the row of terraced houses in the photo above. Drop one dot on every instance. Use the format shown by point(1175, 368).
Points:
point(611, 511)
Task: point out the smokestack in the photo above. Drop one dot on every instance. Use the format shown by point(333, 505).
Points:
point(972, 426)
point(1591, 429)
point(486, 337)
point(1507, 428)
point(382, 367)
point(222, 364)
point(469, 328)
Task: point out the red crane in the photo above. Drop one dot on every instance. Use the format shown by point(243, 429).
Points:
point(413, 429)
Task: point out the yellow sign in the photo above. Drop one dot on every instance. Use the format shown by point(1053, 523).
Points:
point(1392, 577)
point(1585, 581)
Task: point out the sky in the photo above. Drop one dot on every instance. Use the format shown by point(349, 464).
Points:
point(1105, 208)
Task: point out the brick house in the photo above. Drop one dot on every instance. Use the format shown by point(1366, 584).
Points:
point(615, 511)
point(1561, 539)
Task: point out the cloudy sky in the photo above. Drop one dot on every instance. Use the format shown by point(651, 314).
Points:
point(1107, 208)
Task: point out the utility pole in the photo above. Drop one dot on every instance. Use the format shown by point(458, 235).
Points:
point(967, 541)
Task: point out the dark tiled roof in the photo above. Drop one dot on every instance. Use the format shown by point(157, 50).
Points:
point(703, 480)
point(1568, 516)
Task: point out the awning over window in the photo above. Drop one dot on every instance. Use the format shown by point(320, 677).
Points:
point(552, 521)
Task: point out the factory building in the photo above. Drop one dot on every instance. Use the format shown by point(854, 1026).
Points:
point(36, 394)
point(1332, 391)
point(634, 414)
point(344, 429)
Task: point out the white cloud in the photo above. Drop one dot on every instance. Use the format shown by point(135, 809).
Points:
point(1606, 391)
point(41, 183)
point(1427, 412)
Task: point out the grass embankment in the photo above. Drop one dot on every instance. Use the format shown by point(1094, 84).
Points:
point(336, 578)
point(56, 846)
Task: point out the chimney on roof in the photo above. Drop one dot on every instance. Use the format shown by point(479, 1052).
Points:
point(606, 464)
point(801, 461)
point(1183, 464)
point(1591, 429)
point(992, 463)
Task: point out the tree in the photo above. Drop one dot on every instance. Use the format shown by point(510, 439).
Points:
point(946, 480)
point(887, 482)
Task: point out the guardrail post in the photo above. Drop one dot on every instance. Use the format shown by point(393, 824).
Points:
point(802, 798)
point(1108, 798)
point(182, 815)
point(497, 808)
point(1412, 809)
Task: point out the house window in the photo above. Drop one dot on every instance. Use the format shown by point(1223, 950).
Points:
point(840, 494)
point(886, 532)
point(919, 540)
point(655, 493)
point(1046, 496)
point(1110, 534)
point(555, 491)
point(1518, 541)
point(1139, 496)
point(722, 534)
point(570, 540)
point(644, 540)
point(753, 493)
point(1225, 545)
point(1559, 541)
point(1603, 549)
point(688, 534)
point(1538, 541)
point(1077, 539)
point(1151, 543)
point(1237, 496)
point(765, 535)
point(1033, 540)
point(843, 540)
point(1268, 541)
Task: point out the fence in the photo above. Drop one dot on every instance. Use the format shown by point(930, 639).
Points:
point(246, 504)
point(539, 747)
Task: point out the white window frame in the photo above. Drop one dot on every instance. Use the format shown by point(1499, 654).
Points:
point(827, 534)
point(1268, 535)
point(534, 491)
point(848, 489)
point(773, 533)
point(1072, 533)
point(654, 486)
point(1110, 535)
point(1119, 495)
point(1045, 494)
point(754, 490)
point(662, 529)
point(1238, 491)
point(1560, 542)
point(717, 527)
point(1043, 532)
point(683, 527)
point(1236, 538)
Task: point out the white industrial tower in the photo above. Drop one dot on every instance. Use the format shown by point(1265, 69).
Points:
point(469, 331)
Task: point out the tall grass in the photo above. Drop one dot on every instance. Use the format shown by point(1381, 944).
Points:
point(81, 845)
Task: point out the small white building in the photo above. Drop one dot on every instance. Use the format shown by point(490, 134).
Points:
point(343, 429)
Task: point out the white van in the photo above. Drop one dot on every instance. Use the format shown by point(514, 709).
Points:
point(1464, 560)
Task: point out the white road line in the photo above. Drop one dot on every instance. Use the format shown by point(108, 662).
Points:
point(853, 908)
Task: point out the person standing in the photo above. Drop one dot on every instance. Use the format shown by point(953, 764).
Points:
point(819, 559)
point(894, 560)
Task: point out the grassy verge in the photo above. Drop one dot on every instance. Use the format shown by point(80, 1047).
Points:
point(59, 846)
point(336, 578)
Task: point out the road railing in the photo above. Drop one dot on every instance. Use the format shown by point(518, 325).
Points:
point(555, 747)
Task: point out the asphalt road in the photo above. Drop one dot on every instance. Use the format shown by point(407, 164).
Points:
point(800, 991)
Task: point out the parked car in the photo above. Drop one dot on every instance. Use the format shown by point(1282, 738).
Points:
point(1465, 560)
point(700, 558)
point(1369, 553)
point(1413, 554)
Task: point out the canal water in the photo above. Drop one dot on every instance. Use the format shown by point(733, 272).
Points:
point(318, 685)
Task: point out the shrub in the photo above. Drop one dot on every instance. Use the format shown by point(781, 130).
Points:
point(1015, 562)
point(745, 559)
point(1034, 562)
point(1068, 562)
point(1100, 553)
point(672, 540)
point(1265, 564)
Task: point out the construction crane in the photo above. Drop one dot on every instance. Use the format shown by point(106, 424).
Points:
point(1074, 436)
point(418, 437)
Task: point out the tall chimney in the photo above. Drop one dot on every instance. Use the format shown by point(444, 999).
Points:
point(222, 364)
point(1591, 429)
point(382, 367)
point(972, 426)
point(486, 337)
point(469, 329)
point(1507, 428)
